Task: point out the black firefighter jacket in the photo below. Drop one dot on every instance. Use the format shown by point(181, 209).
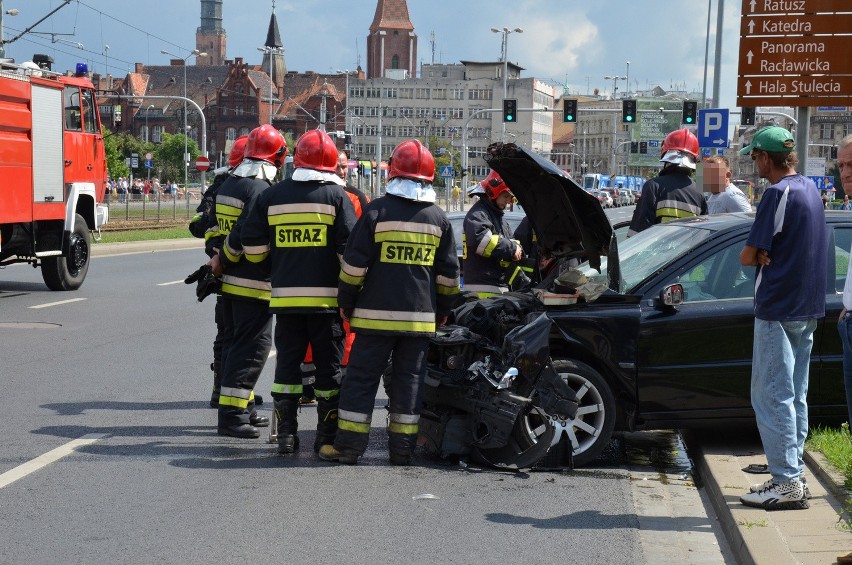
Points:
point(488, 249)
point(242, 279)
point(400, 268)
point(301, 228)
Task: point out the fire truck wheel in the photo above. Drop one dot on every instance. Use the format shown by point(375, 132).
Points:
point(68, 273)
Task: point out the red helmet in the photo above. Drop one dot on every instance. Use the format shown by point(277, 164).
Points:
point(316, 150)
point(237, 151)
point(411, 159)
point(681, 140)
point(266, 143)
point(494, 185)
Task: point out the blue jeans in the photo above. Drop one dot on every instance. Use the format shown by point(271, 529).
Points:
point(844, 327)
point(779, 392)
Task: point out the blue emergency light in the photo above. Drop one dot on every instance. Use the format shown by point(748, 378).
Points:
point(82, 70)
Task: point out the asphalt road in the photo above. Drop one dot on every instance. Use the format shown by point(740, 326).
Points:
point(123, 365)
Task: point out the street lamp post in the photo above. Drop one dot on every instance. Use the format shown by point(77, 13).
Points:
point(505, 48)
point(270, 51)
point(346, 99)
point(197, 53)
point(106, 66)
point(614, 79)
point(12, 12)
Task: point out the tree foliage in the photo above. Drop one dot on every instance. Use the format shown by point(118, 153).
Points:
point(168, 156)
point(119, 147)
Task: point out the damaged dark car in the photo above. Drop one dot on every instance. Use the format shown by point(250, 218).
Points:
point(651, 333)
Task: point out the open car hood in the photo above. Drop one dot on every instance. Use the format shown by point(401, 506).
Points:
point(567, 219)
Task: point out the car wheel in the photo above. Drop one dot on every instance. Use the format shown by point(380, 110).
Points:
point(68, 273)
point(591, 429)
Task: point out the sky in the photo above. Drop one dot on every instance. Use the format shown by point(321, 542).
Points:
point(565, 42)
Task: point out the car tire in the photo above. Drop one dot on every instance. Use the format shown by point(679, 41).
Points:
point(68, 273)
point(591, 429)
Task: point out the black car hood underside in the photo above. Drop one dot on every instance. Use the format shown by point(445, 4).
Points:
point(567, 219)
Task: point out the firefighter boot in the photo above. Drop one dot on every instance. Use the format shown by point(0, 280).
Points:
point(217, 384)
point(255, 419)
point(326, 422)
point(401, 447)
point(288, 424)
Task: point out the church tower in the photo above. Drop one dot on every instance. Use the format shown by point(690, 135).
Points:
point(392, 43)
point(274, 51)
point(210, 38)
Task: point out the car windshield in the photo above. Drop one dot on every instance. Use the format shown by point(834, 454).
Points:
point(647, 252)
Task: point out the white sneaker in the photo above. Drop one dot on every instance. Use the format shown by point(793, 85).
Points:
point(757, 487)
point(778, 496)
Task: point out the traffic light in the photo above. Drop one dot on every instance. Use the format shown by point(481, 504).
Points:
point(510, 110)
point(569, 110)
point(628, 111)
point(690, 112)
point(634, 147)
point(747, 116)
point(833, 152)
point(643, 147)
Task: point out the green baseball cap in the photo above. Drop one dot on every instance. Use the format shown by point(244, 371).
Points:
point(774, 139)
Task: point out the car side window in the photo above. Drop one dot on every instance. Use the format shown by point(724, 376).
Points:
point(719, 277)
point(842, 246)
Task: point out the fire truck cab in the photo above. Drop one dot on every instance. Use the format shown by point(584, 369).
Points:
point(52, 171)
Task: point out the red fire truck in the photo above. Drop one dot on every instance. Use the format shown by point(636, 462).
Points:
point(52, 171)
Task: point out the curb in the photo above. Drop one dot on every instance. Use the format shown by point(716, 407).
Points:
point(831, 479)
point(149, 246)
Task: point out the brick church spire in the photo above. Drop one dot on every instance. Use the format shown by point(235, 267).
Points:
point(392, 43)
point(275, 51)
point(210, 37)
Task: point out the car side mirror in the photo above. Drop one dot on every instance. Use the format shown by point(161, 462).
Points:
point(672, 295)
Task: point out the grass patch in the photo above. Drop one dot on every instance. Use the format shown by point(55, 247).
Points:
point(836, 446)
point(749, 524)
point(145, 234)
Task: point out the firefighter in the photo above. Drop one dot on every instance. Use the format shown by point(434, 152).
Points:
point(198, 227)
point(399, 278)
point(359, 202)
point(672, 194)
point(245, 284)
point(301, 225)
point(489, 250)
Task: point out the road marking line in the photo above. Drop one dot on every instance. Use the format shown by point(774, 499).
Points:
point(46, 459)
point(58, 303)
point(170, 283)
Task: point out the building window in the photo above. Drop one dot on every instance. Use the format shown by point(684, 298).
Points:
point(847, 129)
point(390, 92)
point(389, 111)
point(406, 131)
point(357, 110)
point(395, 60)
point(156, 134)
point(457, 94)
point(244, 131)
point(230, 134)
point(439, 94)
point(356, 92)
point(479, 94)
point(826, 131)
point(457, 113)
point(422, 93)
point(239, 111)
point(406, 112)
point(372, 111)
point(374, 92)
point(441, 113)
point(389, 131)
point(406, 93)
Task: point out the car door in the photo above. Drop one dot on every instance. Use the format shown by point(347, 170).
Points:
point(827, 394)
point(694, 360)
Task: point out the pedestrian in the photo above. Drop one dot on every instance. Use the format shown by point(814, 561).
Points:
point(672, 194)
point(846, 204)
point(245, 283)
point(787, 243)
point(402, 241)
point(490, 254)
point(301, 224)
point(724, 196)
point(844, 324)
point(456, 197)
point(200, 226)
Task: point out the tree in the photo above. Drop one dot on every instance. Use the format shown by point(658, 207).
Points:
point(119, 147)
point(168, 156)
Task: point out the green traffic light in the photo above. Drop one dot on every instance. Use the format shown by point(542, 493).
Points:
point(629, 118)
point(689, 120)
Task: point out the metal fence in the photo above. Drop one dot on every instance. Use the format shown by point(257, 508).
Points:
point(152, 207)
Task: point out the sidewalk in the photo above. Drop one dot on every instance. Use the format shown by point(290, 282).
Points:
point(813, 536)
point(152, 246)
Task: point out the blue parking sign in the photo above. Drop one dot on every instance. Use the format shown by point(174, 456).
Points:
point(713, 127)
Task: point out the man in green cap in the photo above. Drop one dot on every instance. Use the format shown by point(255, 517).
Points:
point(787, 244)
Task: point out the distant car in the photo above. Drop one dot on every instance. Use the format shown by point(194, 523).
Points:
point(605, 198)
point(623, 197)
